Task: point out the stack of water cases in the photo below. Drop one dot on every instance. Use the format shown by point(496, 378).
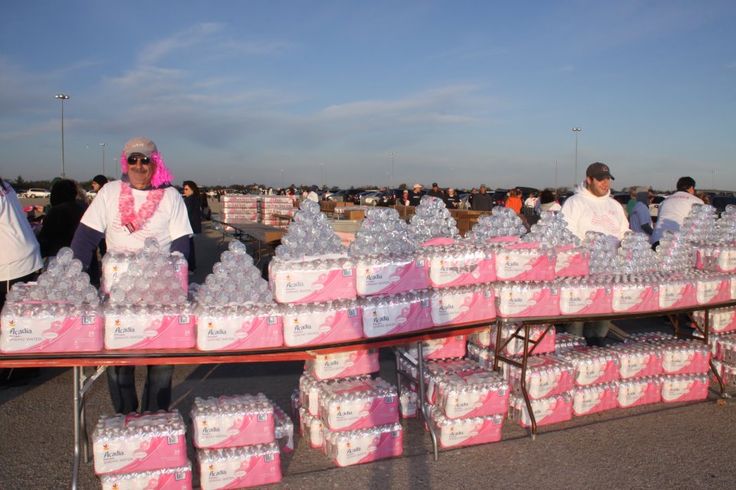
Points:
point(447, 348)
point(351, 417)
point(482, 345)
point(59, 313)
point(236, 440)
point(142, 451)
point(234, 307)
point(391, 280)
point(314, 278)
point(529, 267)
point(683, 368)
point(148, 307)
point(276, 210)
point(237, 208)
point(722, 341)
point(596, 377)
point(549, 384)
point(466, 403)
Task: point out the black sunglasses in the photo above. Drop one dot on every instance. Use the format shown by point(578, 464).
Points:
point(143, 160)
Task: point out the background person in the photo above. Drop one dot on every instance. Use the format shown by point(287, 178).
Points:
point(592, 208)
point(675, 208)
point(140, 205)
point(547, 202)
point(452, 200)
point(640, 220)
point(482, 201)
point(62, 219)
point(435, 191)
point(416, 195)
point(193, 202)
point(98, 181)
point(513, 201)
point(20, 259)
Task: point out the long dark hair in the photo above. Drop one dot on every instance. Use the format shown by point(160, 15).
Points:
point(192, 186)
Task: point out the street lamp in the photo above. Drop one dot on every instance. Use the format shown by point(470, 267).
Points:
point(62, 98)
point(103, 145)
point(576, 131)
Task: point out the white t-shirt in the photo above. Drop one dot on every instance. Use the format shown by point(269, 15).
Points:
point(19, 251)
point(586, 212)
point(672, 212)
point(169, 222)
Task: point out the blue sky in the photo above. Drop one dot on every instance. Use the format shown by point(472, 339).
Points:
point(379, 92)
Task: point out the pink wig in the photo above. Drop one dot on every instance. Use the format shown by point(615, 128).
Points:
point(161, 174)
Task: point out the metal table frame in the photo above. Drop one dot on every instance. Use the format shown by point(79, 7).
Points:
point(82, 382)
point(525, 323)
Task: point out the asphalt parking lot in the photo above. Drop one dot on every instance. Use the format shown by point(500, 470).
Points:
point(687, 445)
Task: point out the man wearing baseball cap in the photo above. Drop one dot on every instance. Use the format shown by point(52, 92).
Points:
point(592, 208)
point(125, 212)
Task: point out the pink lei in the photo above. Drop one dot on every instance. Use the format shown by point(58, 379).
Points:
point(128, 217)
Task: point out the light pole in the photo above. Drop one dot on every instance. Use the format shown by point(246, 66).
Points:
point(392, 170)
point(322, 173)
point(103, 145)
point(575, 179)
point(62, 98)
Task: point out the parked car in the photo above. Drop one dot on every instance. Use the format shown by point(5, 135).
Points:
point(37, 192)
point(654, 206)
point(369, 198)
point(720, 202)
point(383, 198)
point(338, 196)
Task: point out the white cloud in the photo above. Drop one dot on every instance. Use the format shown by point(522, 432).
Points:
point(179, 41)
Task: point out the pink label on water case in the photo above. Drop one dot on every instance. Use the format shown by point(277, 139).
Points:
point(676, 295)
point(444, 348)
point(547, 411)
point(313, 286)
point(676, 389)
point(323, 328)
point(62, 334)
point(252, 471)
point(344, 364)
point(390, 278)
point(150, 480)
point(685, 361)
point(226, 430)
point(722, 321)
point(150, 331)
point(471, 432)
point(572, 262)
point(711, 291)
point(585, 300)
point(456, 307)
point(461, 271)
point(517, 265)
point(533, 302)
point(396, 319)
point(640, 392)
point(638, 365)
point(140, 454)
point(239, 332)
point(594, 400)
point(388, 444)
point(634, 299)
point(361, 414)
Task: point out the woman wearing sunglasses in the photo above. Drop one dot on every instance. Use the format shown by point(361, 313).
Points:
point(140, 205)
